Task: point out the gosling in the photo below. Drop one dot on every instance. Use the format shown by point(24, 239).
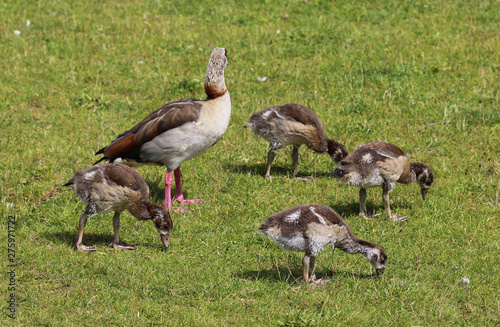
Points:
point(116, 187)
point(382, 164)
point(309, 227)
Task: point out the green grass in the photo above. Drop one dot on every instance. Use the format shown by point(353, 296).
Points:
point(423, 75)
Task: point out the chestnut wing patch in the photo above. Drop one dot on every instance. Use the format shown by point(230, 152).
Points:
point(171, 115)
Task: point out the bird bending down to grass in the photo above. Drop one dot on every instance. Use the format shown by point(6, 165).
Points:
point(178, 131)
point(382, 164)
point(293, 124)
point(116, 187)
point(310, 227)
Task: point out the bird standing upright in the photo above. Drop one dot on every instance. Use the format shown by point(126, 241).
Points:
point(178, 131)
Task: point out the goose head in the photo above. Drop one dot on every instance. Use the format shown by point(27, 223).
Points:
point(214, 78)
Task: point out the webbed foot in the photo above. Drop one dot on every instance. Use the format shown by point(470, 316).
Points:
point(122, 247)
point(84, 248)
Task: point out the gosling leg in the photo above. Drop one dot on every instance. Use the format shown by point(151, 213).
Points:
point(81, 227)
point(116, 239)
point(385, 196)
point(362, 203)
point(270, 158)
point(295, 159)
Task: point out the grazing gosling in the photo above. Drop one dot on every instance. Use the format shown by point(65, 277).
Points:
point(309, 227)
point(293, 124)
point(382, 164)
point(116, 187)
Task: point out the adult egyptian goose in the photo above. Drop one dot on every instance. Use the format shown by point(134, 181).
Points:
point(309, 227)
point(293, 124)
point(382, 164)
point(116, 187)
point(178, 131)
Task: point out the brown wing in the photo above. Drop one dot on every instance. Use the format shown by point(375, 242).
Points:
point(299, 113)
point(121, 175)
point(171, 115)
point(393, 166)
point(388, 146)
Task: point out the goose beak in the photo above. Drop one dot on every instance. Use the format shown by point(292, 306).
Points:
point(424, 193)
point(380, 272)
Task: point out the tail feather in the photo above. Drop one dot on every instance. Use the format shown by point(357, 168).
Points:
point(71, 182)
point(103, 158)
point(100, 151)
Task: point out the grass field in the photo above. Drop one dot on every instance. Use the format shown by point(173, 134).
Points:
point(423, 75)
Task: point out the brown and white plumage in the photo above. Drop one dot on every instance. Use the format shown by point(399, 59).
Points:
point(178, 131)
point(116, 187)
point(293, 124)
point(310, 227)
point(382, 164)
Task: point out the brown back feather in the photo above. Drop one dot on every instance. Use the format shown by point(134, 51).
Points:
point(388, 146)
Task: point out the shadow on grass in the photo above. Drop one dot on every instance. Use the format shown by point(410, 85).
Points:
point(100, 240)
point(351, 210)
point(255, 169)
point(345, 210)
point(69, 238)
point(276, 170)
point(294, 276)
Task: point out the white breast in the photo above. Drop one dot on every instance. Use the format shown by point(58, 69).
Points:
point(185, 142)
point(294, 243)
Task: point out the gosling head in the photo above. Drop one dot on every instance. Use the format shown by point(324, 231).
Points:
point(163, 222)
point(377, 257)
point(423, 176)
point(346, 171)
point(336, 151)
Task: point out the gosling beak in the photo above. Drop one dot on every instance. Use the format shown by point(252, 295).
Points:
point(380, 272)
point(337, 173)
point(165, 240)
point(424, 193)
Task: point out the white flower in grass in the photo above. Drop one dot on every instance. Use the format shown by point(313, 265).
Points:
point(261, 79)
point(465, 280)
point(17, 32)
point(28, 23)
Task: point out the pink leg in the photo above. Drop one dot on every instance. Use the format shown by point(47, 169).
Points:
point(168, 191)
point(179, 197)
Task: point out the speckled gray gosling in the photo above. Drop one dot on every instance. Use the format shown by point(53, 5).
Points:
point(309, 227)
point(178, 131)
point(382, 164)
point(116, 187)
point(293, 124)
